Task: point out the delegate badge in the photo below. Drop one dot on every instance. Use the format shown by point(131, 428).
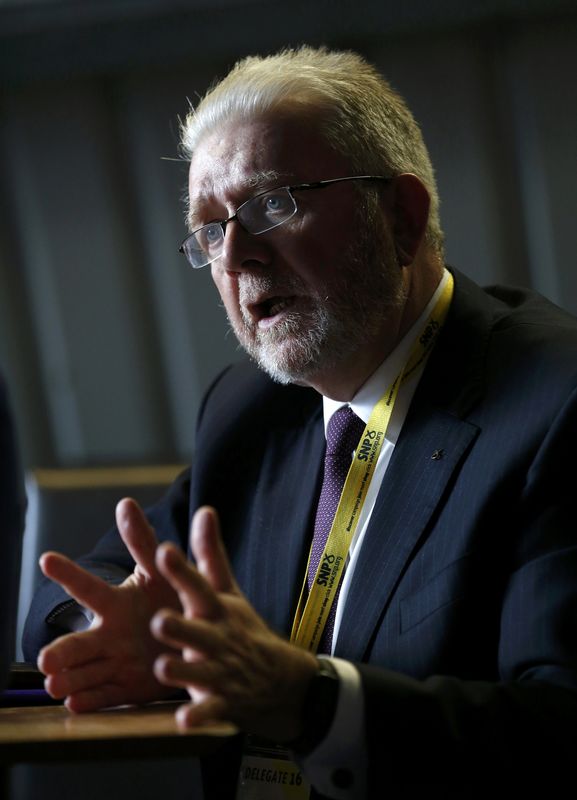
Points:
point(267, 772)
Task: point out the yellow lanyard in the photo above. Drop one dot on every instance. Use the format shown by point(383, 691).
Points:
point(311, 617)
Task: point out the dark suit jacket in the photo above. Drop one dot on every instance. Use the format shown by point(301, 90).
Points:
point(463, 612)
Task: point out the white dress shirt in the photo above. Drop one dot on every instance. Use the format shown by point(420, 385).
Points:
point(343, 747)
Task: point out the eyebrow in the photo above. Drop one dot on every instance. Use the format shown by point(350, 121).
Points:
point(261, 180)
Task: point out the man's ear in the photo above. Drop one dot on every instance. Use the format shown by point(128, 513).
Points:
point(411, 202)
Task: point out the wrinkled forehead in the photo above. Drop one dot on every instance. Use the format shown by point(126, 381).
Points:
point(259, 154)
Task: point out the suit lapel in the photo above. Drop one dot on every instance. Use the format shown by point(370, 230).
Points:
point(413, 487)
point(285, 499)
point(433, 444)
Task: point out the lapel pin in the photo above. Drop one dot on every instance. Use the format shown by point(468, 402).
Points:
point(438, 455)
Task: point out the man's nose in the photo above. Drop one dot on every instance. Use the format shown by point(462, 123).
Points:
point(242, 250)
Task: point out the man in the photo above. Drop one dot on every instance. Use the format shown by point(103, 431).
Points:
point(313, 200)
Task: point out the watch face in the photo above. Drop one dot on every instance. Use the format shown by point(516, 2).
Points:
point(319, 708)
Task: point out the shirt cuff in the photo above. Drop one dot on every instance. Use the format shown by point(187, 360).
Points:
point(338, 766)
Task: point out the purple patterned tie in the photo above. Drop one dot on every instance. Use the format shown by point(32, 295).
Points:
point(343, 433)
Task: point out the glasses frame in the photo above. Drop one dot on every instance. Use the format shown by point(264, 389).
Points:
point(297, 187)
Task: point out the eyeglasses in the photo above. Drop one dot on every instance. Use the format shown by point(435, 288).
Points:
point(261, 213)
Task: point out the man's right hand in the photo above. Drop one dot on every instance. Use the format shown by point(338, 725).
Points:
point(110, 663)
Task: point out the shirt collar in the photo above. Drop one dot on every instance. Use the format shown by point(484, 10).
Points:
point(374, 388)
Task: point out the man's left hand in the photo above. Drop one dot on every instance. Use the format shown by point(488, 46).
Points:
point(233, 666)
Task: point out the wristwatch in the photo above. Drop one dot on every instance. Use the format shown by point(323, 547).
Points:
point(319, 706)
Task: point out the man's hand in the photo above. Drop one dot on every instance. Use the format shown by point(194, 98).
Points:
point(111, 662)
point(234, 667)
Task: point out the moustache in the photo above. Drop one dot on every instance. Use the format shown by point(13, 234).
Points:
point(252, 288)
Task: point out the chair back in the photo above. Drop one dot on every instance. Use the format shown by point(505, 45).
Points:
point(11, 523)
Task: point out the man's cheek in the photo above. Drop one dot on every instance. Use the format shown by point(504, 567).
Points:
point(228, 294)
point(220, 280)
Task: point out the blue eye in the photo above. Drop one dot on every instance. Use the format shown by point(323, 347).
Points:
point(213, 233)
point(275, 202)
point(275, 207)
point(209, 237)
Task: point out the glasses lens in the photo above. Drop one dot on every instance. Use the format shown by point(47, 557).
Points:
point(267, 210)
point(204, 245)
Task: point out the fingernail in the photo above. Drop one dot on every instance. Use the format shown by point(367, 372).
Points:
point(122, 517)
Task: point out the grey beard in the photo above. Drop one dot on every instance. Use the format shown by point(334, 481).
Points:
point(302, 350)
point(292, 350)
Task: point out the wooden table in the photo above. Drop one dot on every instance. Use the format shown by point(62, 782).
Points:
point(51, 733)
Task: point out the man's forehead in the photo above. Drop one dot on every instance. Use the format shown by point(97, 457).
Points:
point(257, 154)
point(241, 156)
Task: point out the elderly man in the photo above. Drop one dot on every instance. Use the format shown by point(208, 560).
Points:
point(437, 564)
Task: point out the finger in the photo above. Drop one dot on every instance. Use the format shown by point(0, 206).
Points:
point(95, 699)
point(196, 596)
point(137, 534)
point(176, 631)
point(192, 715)
point(79, 679)
point(86, 589)
point(209, 551)
point(70, 651)
point(175, 671)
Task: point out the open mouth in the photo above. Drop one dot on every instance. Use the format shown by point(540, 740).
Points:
point(275, 305)
point(266, 312)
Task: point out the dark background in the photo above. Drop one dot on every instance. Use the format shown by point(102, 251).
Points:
point(107, 338)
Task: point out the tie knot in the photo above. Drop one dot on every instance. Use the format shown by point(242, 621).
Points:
point(343, 432)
